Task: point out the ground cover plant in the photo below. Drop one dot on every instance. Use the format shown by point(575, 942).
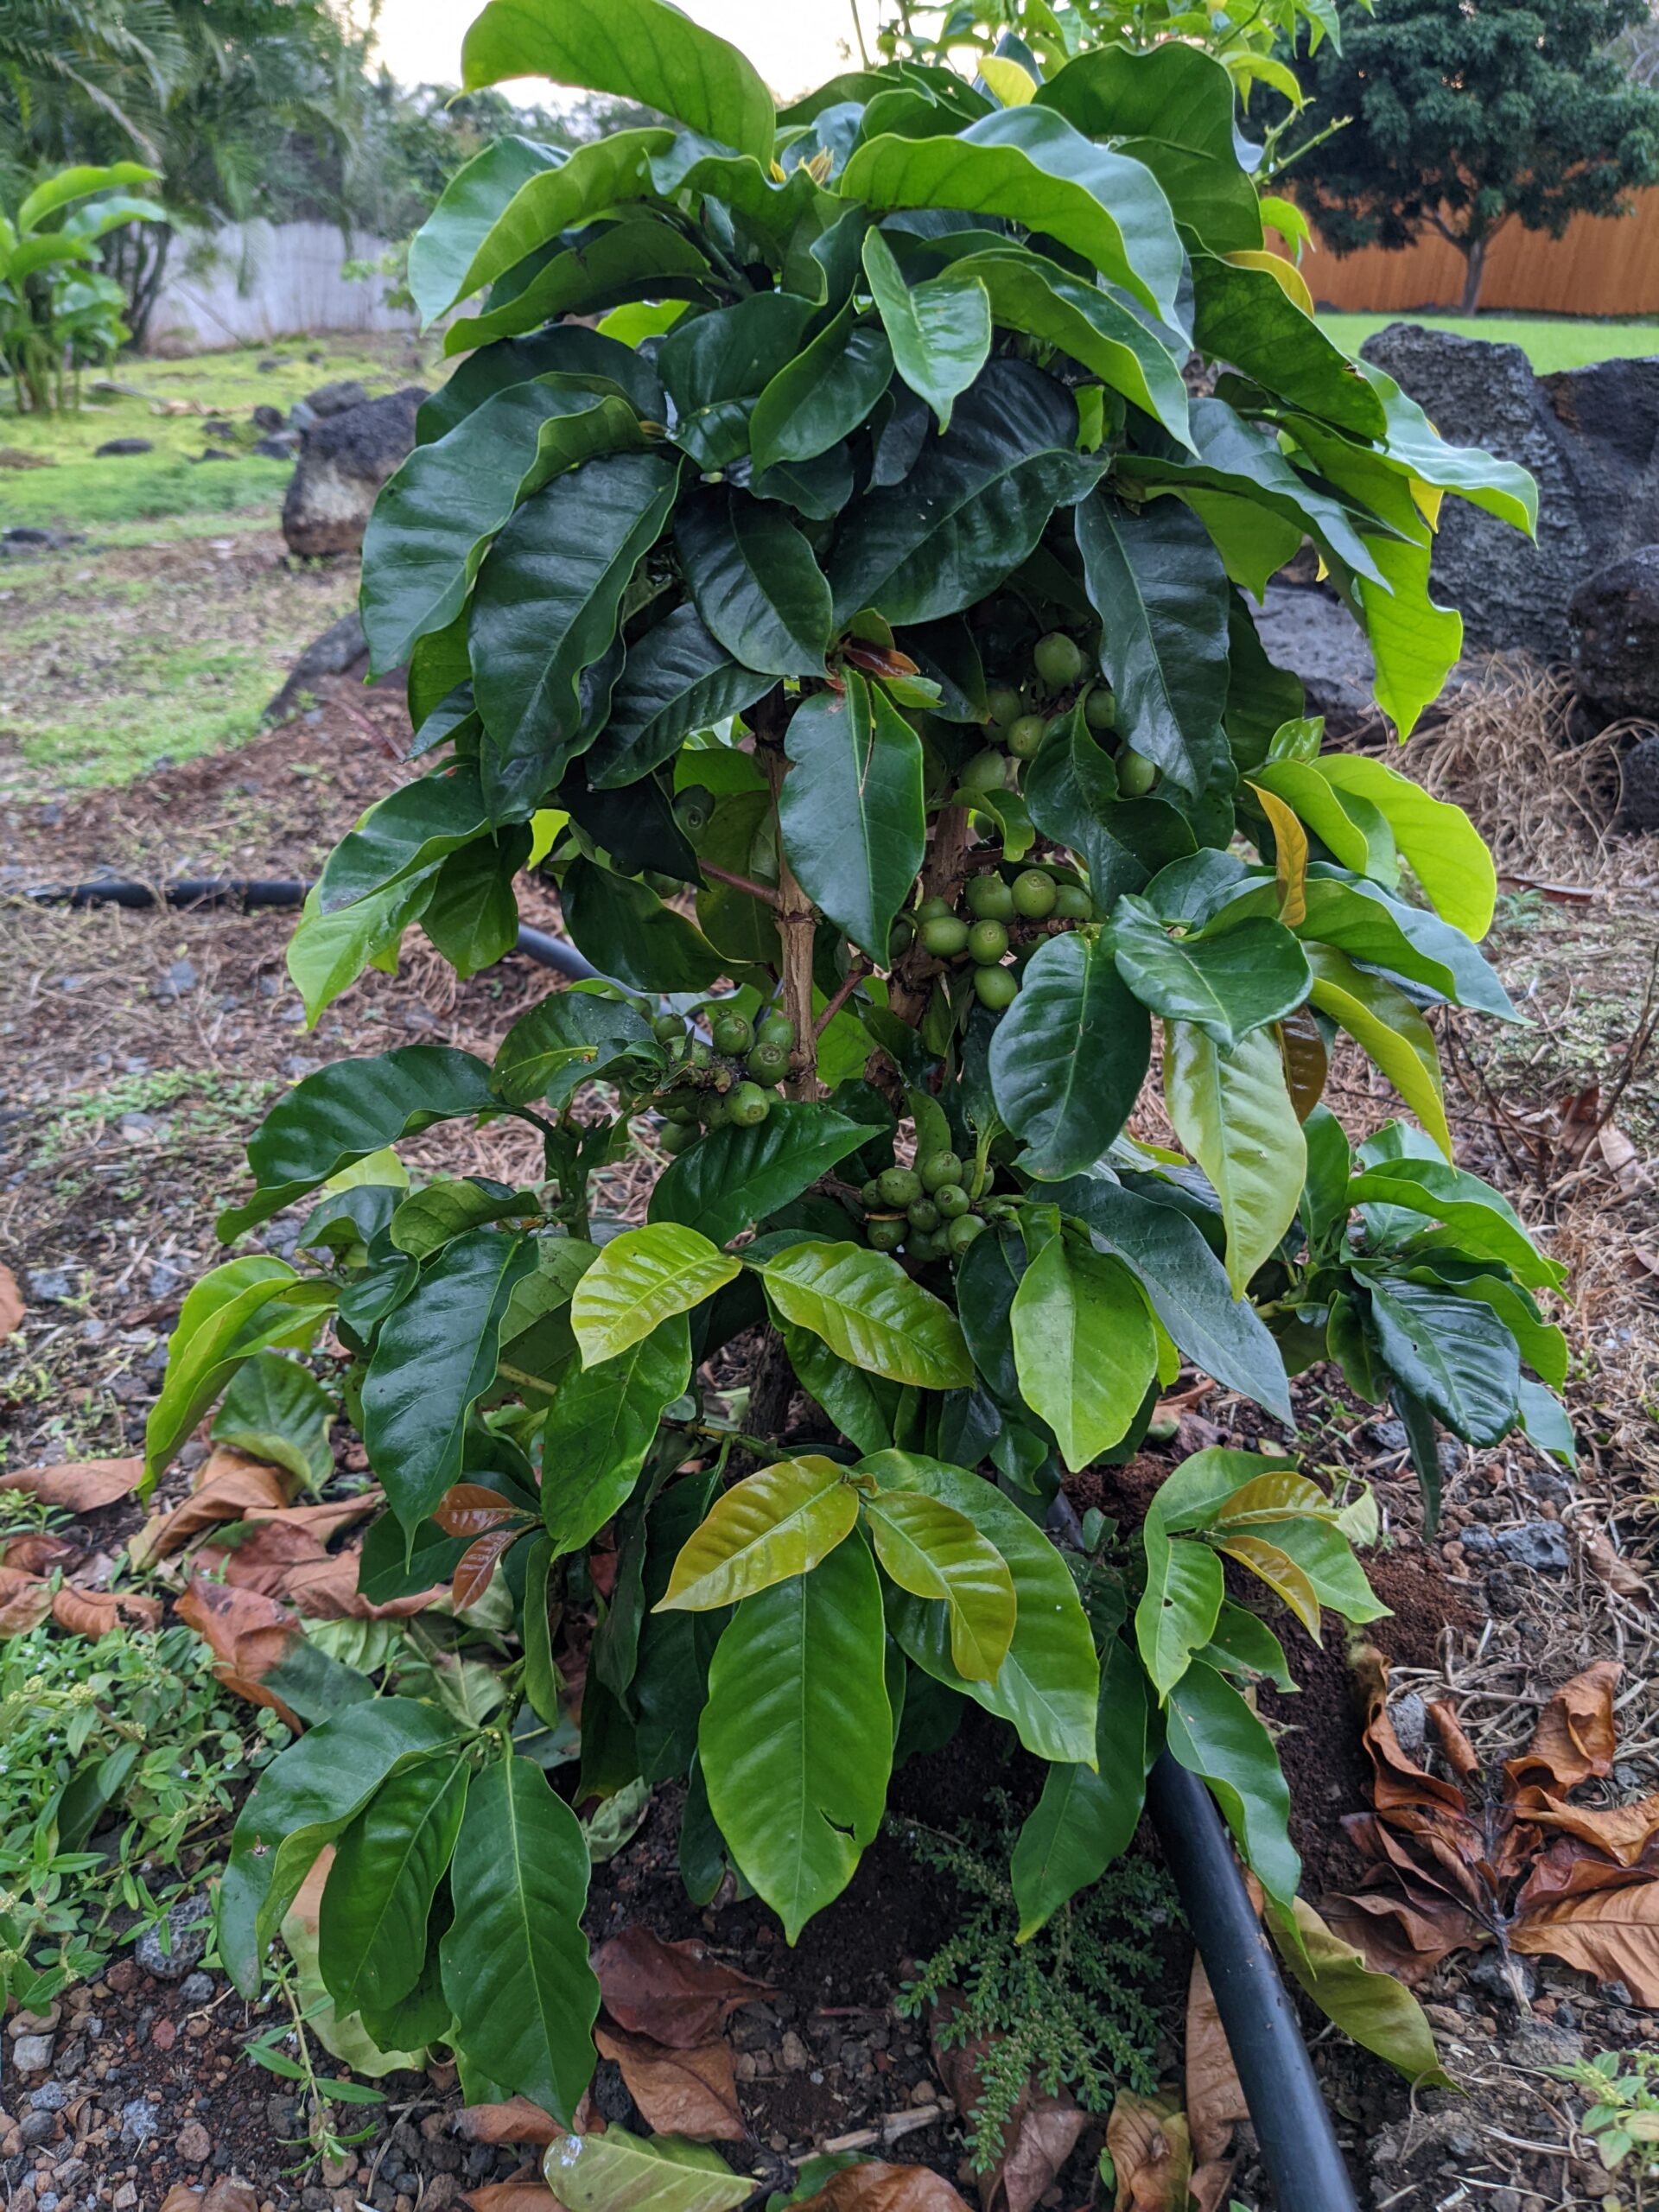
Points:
point(860, 620)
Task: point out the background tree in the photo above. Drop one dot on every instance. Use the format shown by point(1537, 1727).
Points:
point(1464, 116)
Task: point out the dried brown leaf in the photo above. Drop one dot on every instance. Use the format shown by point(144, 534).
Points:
point(25, 1601)
point(678, 2091)
point(1460, 1755)
point(80, 1486)
point(526, 2195)
point(1622, 1832)
point(1621, 1578)
point(874, 2186)
point(101, 1612)
point(180, 2199)
point(1040, 2134)
point(325, 1520)
point(12, 1308)
point(228, 2196)
point(1566, 1869)
point(1393, 1936)
point(1395, 1779)
point(1612, 1934)
point(267, 1556)
point(1577, 1735)
point(231, 1488)
point(516, 2121)
point(326, 1590)
point(1215, 2097)
point(40, 1552)
point(475, 1569)
point(1147, 2139)
point(668, 1992)
point(249, 1634)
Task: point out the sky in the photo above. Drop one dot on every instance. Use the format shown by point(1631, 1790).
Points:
point(795, 44)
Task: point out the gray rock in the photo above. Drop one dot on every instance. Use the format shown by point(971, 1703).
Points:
point(188, 1928)
point(336, 398)
point(1591, 438)
point(272, 361)
point(1311, 632)
point(49, 1285)
point(33, 2054)
point(217, 427)
point(280, 445)
point(1638, 785)
point(1538, 2043)
point(267, 418)
point(196, 1988)
point(343, 462)
point(1503, 1977)
point(1410, 1717)
point(113, 446)
point(180, 978)
point(37, 2127)
point(215, 453)
point(51, 2096)
point(1540, 1545)
point(140, 2120)
point(342, 649)
point(1613, 623)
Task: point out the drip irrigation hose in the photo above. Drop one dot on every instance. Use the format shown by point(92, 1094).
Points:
point(1298, 2143)
point(245, 893)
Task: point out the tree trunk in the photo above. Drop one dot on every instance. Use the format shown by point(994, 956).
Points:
point(1474, 267)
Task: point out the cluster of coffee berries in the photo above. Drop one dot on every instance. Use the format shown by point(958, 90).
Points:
point(731, 1077)
point(925, 1210)
point(980, 935)
point(1021, 716)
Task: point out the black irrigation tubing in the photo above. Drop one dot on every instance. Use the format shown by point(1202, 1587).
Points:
point(1292, 2128)
point(245, 893)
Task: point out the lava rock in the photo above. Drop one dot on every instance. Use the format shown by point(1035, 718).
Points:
point(37, 2127)
point(1638, 785)
point(1613, 623)
point(343, 462)
point(140, 2120)
point(341, 650)
point(1591, 438)
point(217, 427)
point(51, 2096)
point(1540, 1545)
point(267, 418)
point(279, 445)
point(332, 399)
point(1311, 632)
point(113, 446)
point(215, 453)
point(187, 1930)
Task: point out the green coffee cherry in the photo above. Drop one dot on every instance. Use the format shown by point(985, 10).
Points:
point(1025, 736)
point(680, 1106)
point(775, 1029)
point(900, 1187)
point(1100, 709)
point(962, 1233)
point(938, 1168)
point(733, 1033)
point(700, 1056)
point(870, 1197)
point(1135, 774)
point(1005, 703)
point(986, 772)
point(922, 1213)
point(693, 808)
point(951, 1200)
point(748, 1105)
point(988, 898)
point(1073, 902)
point(667, 1028)
point(933, 910)
point(996, 987)
point(900, 937)
point(986, 942)
point(924, 1244)
point(1035, 894)
point(768, 1063)
point(676, 1136)
point(887, 1232)
point(944, 937)
point(1058, 658)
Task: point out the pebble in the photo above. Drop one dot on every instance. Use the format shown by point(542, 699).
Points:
point(33, 2054)
point(138, 2120)
point(180, 978)
point(49, 1285)
point(793, 2054)
point(51, 2096)
point(1540, 1545)
point(196, 1988)
point(187, 1925)
point(37, 2127)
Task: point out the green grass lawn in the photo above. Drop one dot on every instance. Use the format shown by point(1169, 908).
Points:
point(1549, 341)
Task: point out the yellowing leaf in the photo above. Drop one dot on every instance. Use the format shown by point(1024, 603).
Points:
point(1280, 1573)
point(1275, 1497)
point(779, 1521)
point(1290, 857)
point(1394, 1034)
point(1447, 853)
point(931, 1550)
point(1284, 273)
point(1013, 85)
point(640, 1278)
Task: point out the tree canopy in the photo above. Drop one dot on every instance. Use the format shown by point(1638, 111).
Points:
point(1465, 117)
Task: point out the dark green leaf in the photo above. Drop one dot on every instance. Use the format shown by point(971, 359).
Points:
point(1084, 1819)
point(276, 1410)
point(1068, 1058)
point(851, 808)
point(863, 1406)
point(566, 1032)
point(1212, 1732)
point(715, 367)
point(1453, 1353)
point(676, 680)
point(939, 330)
point(735, 1176)
point(1071, 789)
point(823, 394)
point(471, 914)
point(442, 250)
point(606, 266)
point(373, 1923)
point(1227, 983)
point(602, 1424)
point(755, 581)
point(1245, 316)
point(1084, 1347)
point(625, 927)
point(569, 349)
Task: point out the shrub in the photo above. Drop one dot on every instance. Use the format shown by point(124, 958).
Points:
point(860, 617)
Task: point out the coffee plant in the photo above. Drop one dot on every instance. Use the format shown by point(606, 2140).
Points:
point(831, 566)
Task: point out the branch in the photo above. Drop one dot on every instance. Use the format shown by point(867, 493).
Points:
point(742, 883)
point(855, 976)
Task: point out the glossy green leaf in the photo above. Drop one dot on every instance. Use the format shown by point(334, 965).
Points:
point(641, 941)
point(592, 182)
point(822, 394)
point(547, 603)
point(1068, 1058)
point(640, 50)
point(1185, 1284)
point(1447, 853)
point(851, 808)
point(1244, 315)
point(640, 1278)
point(868, 1311)
point(1453, 1353)
point(471, 914)
point(347, 1110)
point(371, 1931)
point(1226, 982)
point(240, 1309)
point(1361, 920)
point(756, 583)
point(1213, 1734)
point(433, 521)
point(939, 330)
point(678, 678)
point(1232, 1112)
point(1030, 164)
point(1071, 789)
point(276, 1410)
point(1393, 1033)
point(794, 1739)
point(733, 1177)
point(1376, 2011)
point(78, 182)
point(567, 349)
point(302, 1800)
point(1084, 1347)
point(777, 1523)
point(1478, 1221)
point(565, 1032)
point(602, 1424)
point(972, 507)
point(431, 1216)
point(610, 266)
point(620, 2172)
point(933, 1551)
point(1356, 831)
point(1157, 582)
point(515, 1962)
point(1048, 1687)
point(1085, 1818)
point(434, 1358)
point(328, 951)
point(1501, 487)
point(401, 837)
point(1541, 1344)
point(863, 1406)
point(442, 250)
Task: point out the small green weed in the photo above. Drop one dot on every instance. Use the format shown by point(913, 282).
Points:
point(1067, 2009)
point(203, 1106)
point(1623, 2117)
point(116, 1755)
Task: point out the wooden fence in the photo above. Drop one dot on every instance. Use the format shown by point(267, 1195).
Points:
point(1603, 265)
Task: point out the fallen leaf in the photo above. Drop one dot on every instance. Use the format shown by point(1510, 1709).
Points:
point(325, 1520)
point(39, 1553)
point(470, 1510)
point(25, 1601)
point(516, 2121)
point(326, 1590)
point(1147, 2139)
point(1041, 2133)
point(180, 2199)
point(1622, 1159)
point(1577, 1735)
point(268, 1554)
point(230, 1489)
point(1566, 1869)
point(874, 2186)
point(1396, 1780)
point(228, 2196)
point(81, 1486)
point(12, 1308)
point(526, 2195)
point(1624, 1580)
point(101, 1612)
point(1612, 1934)
point(1459, 1752)
point(678, 2091)
point(668, 1992)
point(1407, 1941)
point(250, 1636)
point(1622, 1832)
point(1215, 2097)
point(1375, 2010)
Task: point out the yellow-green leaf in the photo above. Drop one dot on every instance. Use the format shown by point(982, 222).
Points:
point(931, 1550)
point(1233, 1113)
point(779, 1521)
point(1385, 1022)
point(1280, 1573)
point(1447, 853)
point(1380, 2013)
point(639, 1279)
point(866, 1309)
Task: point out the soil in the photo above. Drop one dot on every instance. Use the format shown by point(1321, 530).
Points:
point(141, 1047)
